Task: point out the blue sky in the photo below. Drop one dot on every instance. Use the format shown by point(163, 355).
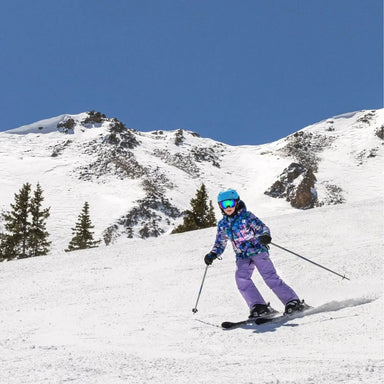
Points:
point(237, 71)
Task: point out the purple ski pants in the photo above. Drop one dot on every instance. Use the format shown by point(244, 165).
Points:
point(264, 265)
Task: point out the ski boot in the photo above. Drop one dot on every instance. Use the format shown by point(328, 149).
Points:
point(294, 306)
point(261, 310)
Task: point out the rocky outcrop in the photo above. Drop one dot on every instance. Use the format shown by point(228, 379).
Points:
point(380, 132)
point(94, 118)
point(148, 218)
point(367, 117)
point(180, 160)
point(296, 184)
point(67, 125)
point(112, 155)
point(304, 147)
point(187, 161)
point(121, 137)
point(60, 147)
point(208, 154)
point(333, 195)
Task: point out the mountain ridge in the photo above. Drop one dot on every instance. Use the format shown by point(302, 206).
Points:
point(139, 183)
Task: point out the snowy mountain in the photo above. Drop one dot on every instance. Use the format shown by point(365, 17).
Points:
point(122, 313)
point(139, 183)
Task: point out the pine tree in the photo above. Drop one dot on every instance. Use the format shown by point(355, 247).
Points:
point(6, 250)
point(38, 243)
point(17, 224)
point(201, 215)
point(83, 237)
point(25, 235)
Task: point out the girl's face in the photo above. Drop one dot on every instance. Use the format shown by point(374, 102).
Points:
point(228, 206)
point(229, 211)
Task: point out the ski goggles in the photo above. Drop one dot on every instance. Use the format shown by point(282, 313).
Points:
point(227, 204)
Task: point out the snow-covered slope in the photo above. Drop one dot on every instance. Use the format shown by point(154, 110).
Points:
point(123, 313)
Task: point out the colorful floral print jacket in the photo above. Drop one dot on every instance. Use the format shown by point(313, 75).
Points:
point(243, 229)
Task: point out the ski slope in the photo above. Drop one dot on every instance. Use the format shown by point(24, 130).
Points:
point(123, 313)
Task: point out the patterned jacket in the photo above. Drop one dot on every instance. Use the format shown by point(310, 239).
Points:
point(242, 229)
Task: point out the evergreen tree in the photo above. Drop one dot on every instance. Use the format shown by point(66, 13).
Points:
point(17, 224)
point(83, 237)
point(6, 250)
point(38, 243)
point(25, 235)
point(201, 215)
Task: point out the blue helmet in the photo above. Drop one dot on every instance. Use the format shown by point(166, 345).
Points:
point(227, 195)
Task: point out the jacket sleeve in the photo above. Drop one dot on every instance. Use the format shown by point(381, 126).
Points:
point(258, 226)
point(220, 242)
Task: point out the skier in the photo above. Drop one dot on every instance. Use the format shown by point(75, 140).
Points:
point(250, 238)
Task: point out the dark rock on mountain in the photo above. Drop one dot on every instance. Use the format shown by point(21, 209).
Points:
point(296, 184)
point(147, 216)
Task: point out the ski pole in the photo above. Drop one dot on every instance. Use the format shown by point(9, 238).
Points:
point(304, 258)
point(194, 310)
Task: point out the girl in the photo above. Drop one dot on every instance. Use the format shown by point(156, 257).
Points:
point(249, 237)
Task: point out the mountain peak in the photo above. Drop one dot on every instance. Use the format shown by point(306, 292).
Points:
point(65, 123)
point(144, 180)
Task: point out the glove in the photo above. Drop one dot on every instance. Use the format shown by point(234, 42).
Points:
point(265, 239)
point(208, 259)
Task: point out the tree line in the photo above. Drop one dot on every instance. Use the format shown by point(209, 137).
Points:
point(25, 228)
point(26, 233)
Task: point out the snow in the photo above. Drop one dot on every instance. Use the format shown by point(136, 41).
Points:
point(44, 126)
point(345, 115)
point(123, 313)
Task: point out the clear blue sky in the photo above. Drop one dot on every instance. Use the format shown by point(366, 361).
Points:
point(237, 71)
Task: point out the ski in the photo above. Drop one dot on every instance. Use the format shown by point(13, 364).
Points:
point(284, 317)
point(230, 324)
point(274, 317)
point(249, 321)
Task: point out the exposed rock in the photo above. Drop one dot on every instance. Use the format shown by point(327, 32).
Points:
point(367, 118)
point(179, 137)
point(67, 125)
point(333, 195)
point(184, 162)
point(304, 146)
point(113, 155)
point(366, 154)
point(145, 219)
point(120, 136)
point(94, 118)
point(380, 132)
point(305, 195)
point(330, 127)
point(297, 185)
point(59, 148)
point(297, 182)
point(115, 162)
point(210, 155)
